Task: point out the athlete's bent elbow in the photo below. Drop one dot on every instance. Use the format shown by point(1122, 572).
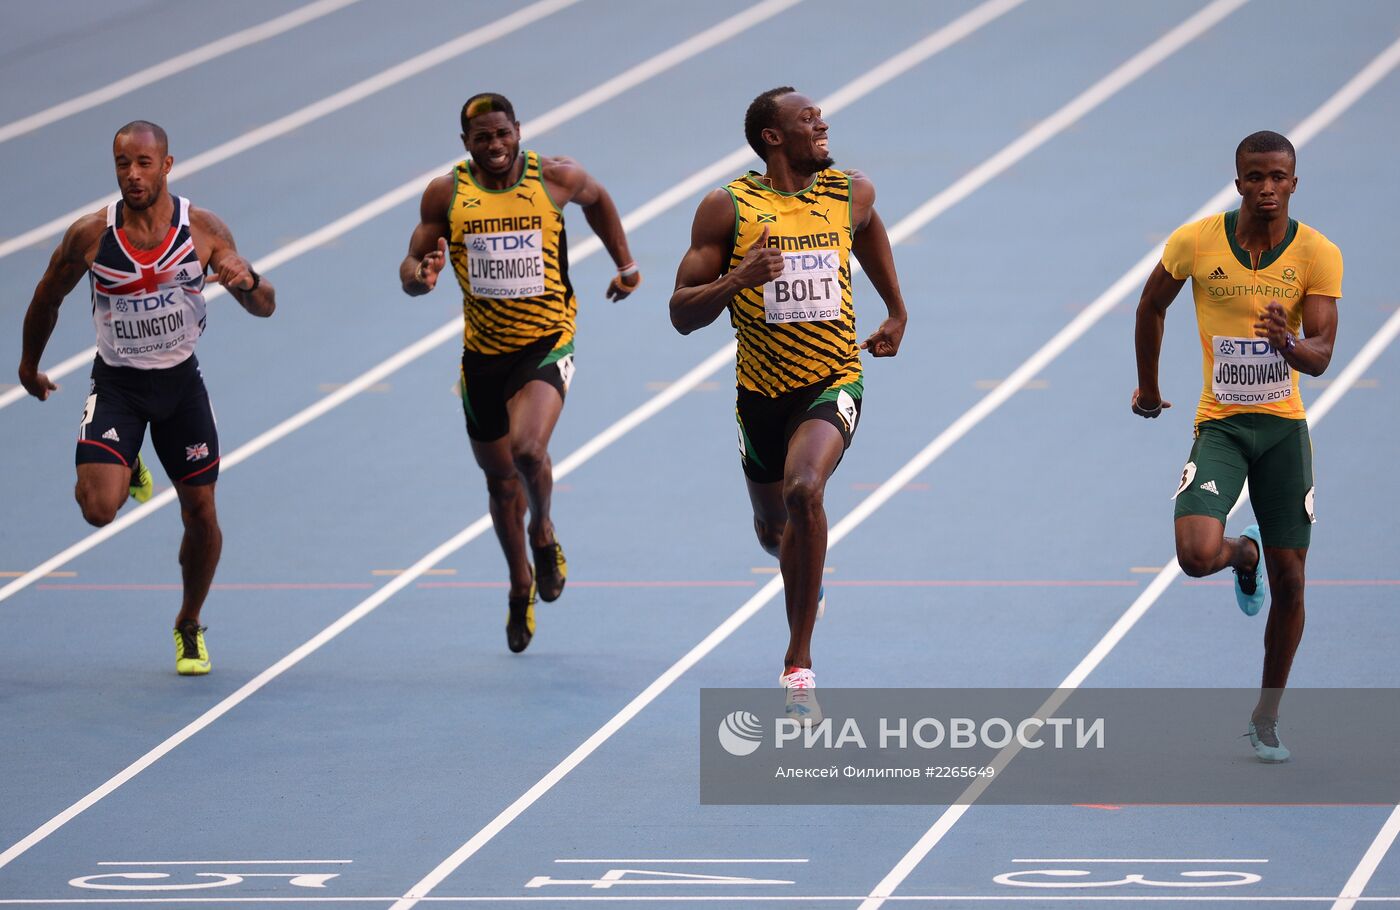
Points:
point(679, 320)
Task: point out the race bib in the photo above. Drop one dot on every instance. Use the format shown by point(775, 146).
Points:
point(148, 324)
point(808, 290)
point(1249, 371)
point(509, 264)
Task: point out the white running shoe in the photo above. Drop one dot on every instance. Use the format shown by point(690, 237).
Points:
point(801, 686)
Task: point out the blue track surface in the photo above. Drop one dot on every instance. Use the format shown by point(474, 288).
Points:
point(1002, 564)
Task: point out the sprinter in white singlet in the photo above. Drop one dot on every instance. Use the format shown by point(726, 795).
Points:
point(146, 256)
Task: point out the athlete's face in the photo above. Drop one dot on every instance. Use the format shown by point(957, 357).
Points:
point(1265, 182)
point(142, 166)
point(803, 133)
point(493, 140)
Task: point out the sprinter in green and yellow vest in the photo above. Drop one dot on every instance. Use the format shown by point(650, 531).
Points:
point(498, 220)
point(1266, 289)
point(774, 249)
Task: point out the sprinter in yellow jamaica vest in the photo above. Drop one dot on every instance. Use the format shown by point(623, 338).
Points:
point(498, 219)
point(774, 250)
point(1266, 290)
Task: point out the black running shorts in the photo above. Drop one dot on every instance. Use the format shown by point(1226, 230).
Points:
point(173, 401)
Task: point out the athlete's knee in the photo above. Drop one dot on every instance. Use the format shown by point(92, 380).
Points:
point(1288, 581)
point(502, 487)
point(1197, 559)
point(200, 515)
point(803, 494)
point(770, 535)
point(529, 455)
point(97, 510)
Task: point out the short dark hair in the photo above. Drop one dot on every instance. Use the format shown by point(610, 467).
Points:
point(1264, 141)
point(145, 126)
point(485, 103)
point(763, 115)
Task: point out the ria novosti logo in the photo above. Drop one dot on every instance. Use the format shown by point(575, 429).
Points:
point(740, 733)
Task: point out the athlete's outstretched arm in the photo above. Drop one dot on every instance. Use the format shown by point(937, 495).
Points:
point(427, 248)
point(254, 294)
point(1159, 292)
point(871, 246)
point(703, 288)
point(66, 268)
point(1312, 353)
point(571, 183)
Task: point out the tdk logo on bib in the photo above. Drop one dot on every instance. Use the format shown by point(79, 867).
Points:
point(508, 264)
point(1246, 347)
point(805, 262)
point(503, 243)
point(143, 304)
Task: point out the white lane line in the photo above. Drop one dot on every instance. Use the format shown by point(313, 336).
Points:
point(1139, 861)
point(1116, 81)
point(315, 111)
point(229, 862)
point(733, 899)
point(588, 101)
point(177, 64)
point(665, 861)
point(938, 40)
point(1361, 875)
point(1345, 97)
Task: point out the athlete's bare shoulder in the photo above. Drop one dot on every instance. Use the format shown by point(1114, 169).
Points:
point(79, 244)
point(714, 218)
point(862, 187)
point(563, 171)
point(212, 238)
point(207, 222)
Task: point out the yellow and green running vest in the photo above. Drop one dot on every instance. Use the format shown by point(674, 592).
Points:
point(510, 254)
point(800, 328)
point(1242, 373)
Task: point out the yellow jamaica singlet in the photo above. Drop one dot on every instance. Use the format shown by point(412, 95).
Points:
point(510, 254)
point(1243, 374)
point(800, 328)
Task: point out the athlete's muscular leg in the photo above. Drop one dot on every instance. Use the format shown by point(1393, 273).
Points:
point(769, 514)
point(534, 410)
point(813, 453)
point(101, 490)
point(199, 549)
point(1203, 549)
point(1284, 629)
point(507, 508)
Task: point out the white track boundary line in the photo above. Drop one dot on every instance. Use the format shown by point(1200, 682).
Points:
point(177, 64)
point(310, 113)
point(696, 898)
point(451, 329)
point(747, 898)
point(937, 41)
point(1041, 133)
point(1361, 876)
point(1345, 97)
